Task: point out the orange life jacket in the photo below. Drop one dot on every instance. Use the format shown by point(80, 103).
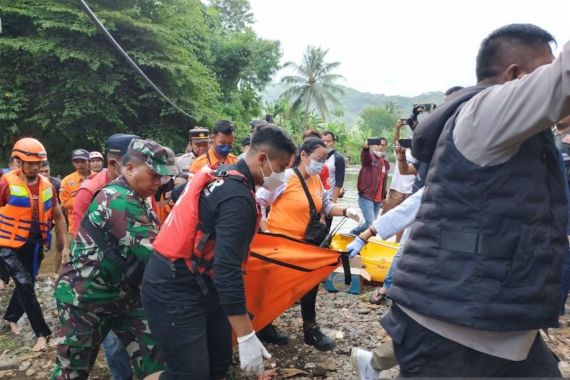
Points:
point(181, 236)
point(17, 214)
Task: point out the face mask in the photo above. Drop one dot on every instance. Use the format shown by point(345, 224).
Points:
point(379, 154)
point(315, 167)
point(274, 180)
point(223, 150)
point(329, 150)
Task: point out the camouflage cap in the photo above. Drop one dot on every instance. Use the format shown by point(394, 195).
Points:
point(153, 154)
point(171, 160)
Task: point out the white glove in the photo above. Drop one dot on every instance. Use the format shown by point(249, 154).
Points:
point(353, 214)
point(355, 247)
point(251, 353)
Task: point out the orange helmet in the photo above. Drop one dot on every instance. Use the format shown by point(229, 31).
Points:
point(30, 150)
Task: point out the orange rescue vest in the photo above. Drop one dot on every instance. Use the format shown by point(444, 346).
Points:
point(181, 236)
point(16, 216)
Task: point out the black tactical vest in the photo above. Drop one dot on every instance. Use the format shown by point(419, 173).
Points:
point(488, 243)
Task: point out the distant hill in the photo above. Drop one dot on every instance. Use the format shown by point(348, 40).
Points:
point(355, 101)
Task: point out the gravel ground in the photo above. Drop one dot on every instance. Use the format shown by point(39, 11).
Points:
point(350, 319)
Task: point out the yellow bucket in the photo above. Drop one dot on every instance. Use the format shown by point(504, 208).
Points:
point(377, 255)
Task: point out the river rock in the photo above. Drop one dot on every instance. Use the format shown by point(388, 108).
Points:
point(24, 366)
point(9, 363)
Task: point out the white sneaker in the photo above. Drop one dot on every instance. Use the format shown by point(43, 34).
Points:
point(361, 362)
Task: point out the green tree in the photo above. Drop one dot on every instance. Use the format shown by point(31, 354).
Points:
point(235, 15)
point(63, 83)
point(243, 62)
point(377, 121)
point(314, 85)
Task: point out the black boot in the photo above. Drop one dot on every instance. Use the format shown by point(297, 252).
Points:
point(315, 337)
point(269, 334)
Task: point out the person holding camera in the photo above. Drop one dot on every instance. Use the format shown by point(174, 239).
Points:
point(372, 180)
point(401, 186)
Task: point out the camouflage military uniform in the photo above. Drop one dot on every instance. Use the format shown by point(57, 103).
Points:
point(93, 295)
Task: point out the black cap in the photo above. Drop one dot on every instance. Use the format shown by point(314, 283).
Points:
point(255, 123)
point(246, 141)
point(80, 154)
point(199, 134)
point(118, 144)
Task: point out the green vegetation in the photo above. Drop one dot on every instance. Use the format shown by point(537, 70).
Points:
point(354, 102)
point(62, 82)
point(314, 85)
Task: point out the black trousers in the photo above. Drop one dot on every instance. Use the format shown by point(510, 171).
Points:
point(423, 353)
point(19, 264)
point(192, 331)
point(308, 305)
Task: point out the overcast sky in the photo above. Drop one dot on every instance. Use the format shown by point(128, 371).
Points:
point(401, 47)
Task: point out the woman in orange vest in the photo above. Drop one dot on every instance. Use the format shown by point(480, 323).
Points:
point(28, 206)
point(291, 215)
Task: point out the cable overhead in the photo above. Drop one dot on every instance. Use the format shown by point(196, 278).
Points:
point(118, 47)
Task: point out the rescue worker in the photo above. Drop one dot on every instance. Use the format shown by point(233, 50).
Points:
point(198, 145)
point(195, 297)
point(95, 161)
point(98, 289)
point(12, 165)
point(161, 202)
point(292, 213)
point(45, 170)
point(28, 207)
point(116, 147)
point(219, 154)
point(71, 183)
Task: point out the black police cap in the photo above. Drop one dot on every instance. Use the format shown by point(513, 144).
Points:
point(118, 144)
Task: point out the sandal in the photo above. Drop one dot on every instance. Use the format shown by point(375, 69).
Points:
point(377, 298)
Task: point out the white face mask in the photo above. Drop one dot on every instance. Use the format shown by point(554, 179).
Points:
point(379, 154)
point(315, 167)
point(274, 180)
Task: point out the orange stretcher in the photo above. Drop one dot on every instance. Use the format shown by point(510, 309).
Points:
point(280, 270)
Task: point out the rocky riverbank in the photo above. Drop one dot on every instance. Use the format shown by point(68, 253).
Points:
point(350, 319)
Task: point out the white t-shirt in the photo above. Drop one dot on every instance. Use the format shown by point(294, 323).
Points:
point(404, 183)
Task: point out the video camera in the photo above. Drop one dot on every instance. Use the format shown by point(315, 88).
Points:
point(412, 121)
point(421, 108)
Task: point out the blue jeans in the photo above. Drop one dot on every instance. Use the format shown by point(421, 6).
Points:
point(389, 276)
point(370, 211)
point(117, 357)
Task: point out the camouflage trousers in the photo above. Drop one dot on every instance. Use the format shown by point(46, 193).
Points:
point(82, 332)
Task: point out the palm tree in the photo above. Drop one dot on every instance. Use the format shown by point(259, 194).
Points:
point(314, 85)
